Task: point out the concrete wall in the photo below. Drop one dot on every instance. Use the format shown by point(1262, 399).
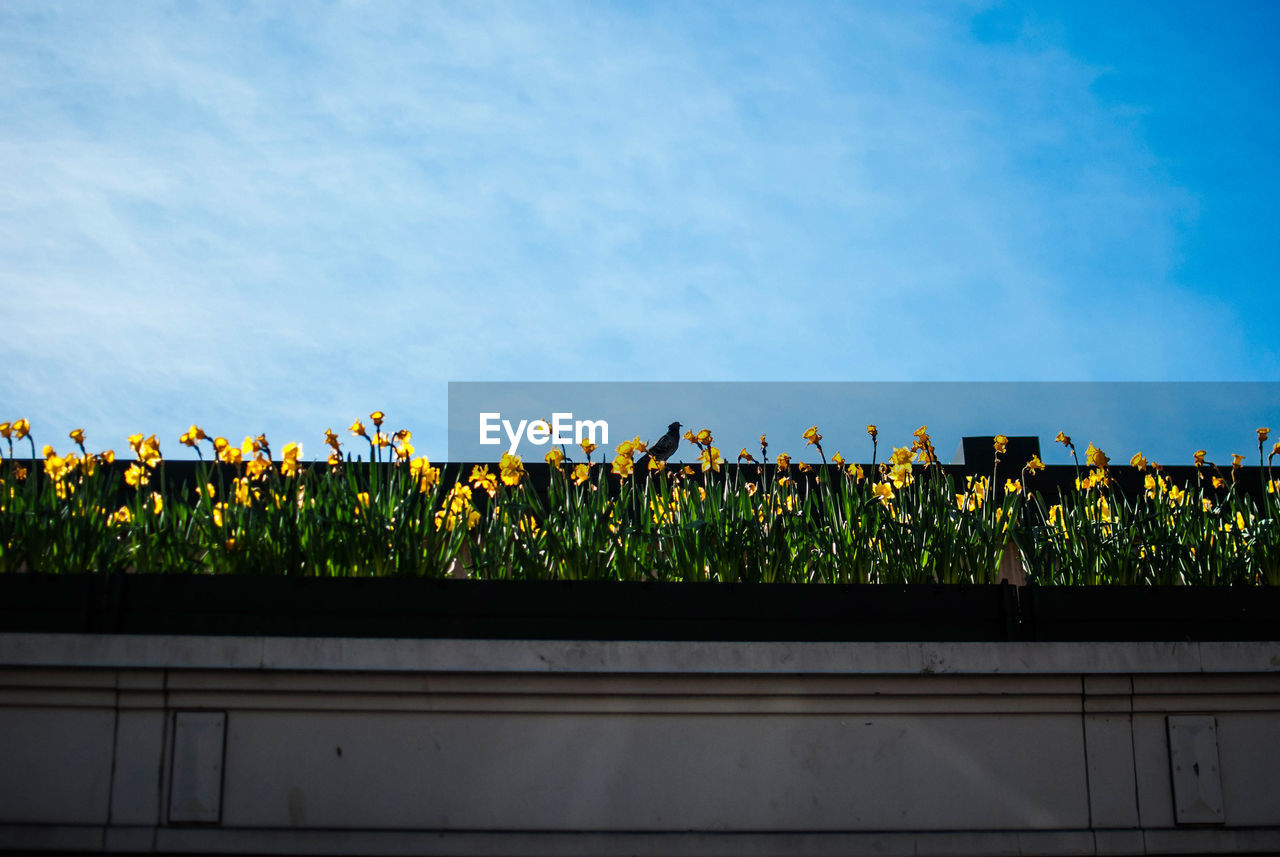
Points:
point(470, 747)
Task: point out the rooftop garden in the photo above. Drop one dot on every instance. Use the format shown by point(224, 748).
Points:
point(900, 516)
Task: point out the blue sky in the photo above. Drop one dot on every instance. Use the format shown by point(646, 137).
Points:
point(278, 217)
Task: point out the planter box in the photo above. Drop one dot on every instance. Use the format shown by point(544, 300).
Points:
point(602, 610)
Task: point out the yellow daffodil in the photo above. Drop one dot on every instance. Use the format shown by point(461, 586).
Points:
point(901, 475)
point(258, 467)
point(331, 440)
point(482, 479)
point(921, 432)
point(1139, 461)
point(1219, 482)
point(1206, 505)
point(587, 447)
point(1177, 495)
point(704, 438)
point(157, 503)
point(882, 492)
point(1063, 439)
point(1001, 443)
point(122, 516)
point(751, 489)
point(692, 438)
point(1237, 460)
point(362, 501)
point(657, 465)
point(427, 476)
point(624, 448)
point(623, 466)
point(812, 437)
point(1035, 465)
point(855, 470)
point(231, 455)
point(1094, 457)
point(554, 457)
point(377, 417)
point(837, 459)
point(136, 475)
point(873, 431)
point(243, 492)
point(21, 428)
point(55, 468)
point(6, 430)
point(901, 455)
point(357, 429)
point(1012, 486)
point(710, 459)
point(289, 456)
point(77, 435)
point(581, 473)
point(1199, 457)
point(746, 456)
point(1262, 436)
point(511, 468)
point(784, 461)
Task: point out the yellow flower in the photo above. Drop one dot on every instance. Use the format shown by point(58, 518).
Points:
point(625, 448)
point(804, 467)
point(1206, 505)
point(192, 435)
point(1012, 486)
point(1200, 453)
point(873, 431)
point(332, 440)
point(1001, 443)
point(1139, 461)
point(1237, 460)
point(623, 466)
point(481, 478)
point(587, 447)
point(427, 476)
point(363, 498)
point(901, 455)
point(883, 493)
point(554, 457)
point(837, 459)
point(289, 459)
point(1094, 457)
point(6, 430)
point(56, 468)
point(21, 428)
point(751, 489)
point(1219, 482)
point(711, 459)
point(812, 437)
point(784, 461)
point(335, 459)
point(77, 435)
point(381, 441)
point(581, 473)
point(377, 417)
point(1057, 517)
point(901, 474)
point(258, 468)
point(357, 429)
point(1273, 486)
point(107, 457)
point(511, 468)
point(1063, 439)
point(136, 475)
point(692, 438)
point(704, 438)
point(244, 495)
point(231, 454)
point(921, 432)
point(157, 503)
point(122, 516)
point(1177, 495)
point(746, 456)
point(855, 470)
point(656, 465)
point(1262, 436)
point(1034, 465)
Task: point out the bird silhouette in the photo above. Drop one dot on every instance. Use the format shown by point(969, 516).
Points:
point(662, 448)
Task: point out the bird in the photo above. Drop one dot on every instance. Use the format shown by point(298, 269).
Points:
point(662, 448)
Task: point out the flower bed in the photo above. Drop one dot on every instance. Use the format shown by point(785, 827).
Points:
point(906, 520)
